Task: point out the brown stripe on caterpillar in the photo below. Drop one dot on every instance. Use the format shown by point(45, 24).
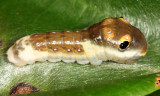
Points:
point(111, 39)
point(79, 37)
point(39, 41)
point(68, 47)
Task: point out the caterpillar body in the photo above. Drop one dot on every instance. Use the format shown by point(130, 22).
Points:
point(111, 39)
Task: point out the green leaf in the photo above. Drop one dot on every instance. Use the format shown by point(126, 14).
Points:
point(137, 86)
point(19, 18)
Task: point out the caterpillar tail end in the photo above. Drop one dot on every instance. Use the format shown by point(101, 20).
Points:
point(14, 59)
point(21, 54)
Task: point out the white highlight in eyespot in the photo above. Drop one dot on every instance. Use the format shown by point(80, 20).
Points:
point(126, 37)
point(53, 32)
point(77, 30)
point(67, 31)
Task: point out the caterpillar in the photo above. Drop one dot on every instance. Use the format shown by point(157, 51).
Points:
point(112, 39)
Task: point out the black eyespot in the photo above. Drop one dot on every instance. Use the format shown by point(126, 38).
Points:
point(121, 17)
point(124, 45)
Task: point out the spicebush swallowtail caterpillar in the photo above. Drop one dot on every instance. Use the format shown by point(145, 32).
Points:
point(111, 39)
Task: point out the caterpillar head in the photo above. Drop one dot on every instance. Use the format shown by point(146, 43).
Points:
point(122, 42)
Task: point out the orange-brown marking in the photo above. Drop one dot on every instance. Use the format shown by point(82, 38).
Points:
point(85, 35)
point(126, 38)
point(108, 33)
point(39, 41)
point(54, 44)
point(68, 42)
point(78, 42)
point(124, 20)
point(107, 21)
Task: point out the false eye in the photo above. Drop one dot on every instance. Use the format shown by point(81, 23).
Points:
point(124, 45)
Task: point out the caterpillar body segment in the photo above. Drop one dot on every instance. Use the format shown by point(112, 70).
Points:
point(111, 39)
